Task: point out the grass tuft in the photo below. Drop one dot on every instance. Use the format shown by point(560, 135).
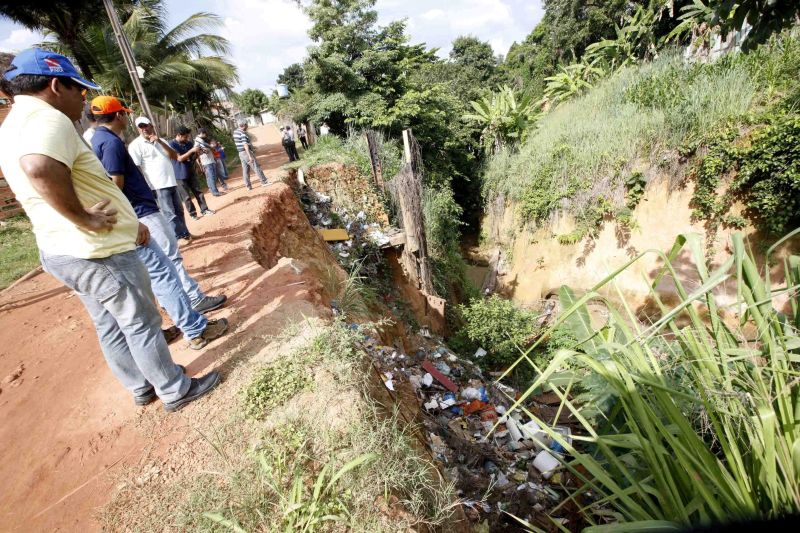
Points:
point(18, 252)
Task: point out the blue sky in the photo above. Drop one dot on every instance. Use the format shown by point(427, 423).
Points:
point(268, 35)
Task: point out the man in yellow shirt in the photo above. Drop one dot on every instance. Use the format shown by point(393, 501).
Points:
point(85, 228)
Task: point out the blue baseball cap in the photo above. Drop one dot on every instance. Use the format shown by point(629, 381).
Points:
point(39, 62)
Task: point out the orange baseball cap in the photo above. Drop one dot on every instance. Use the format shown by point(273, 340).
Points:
point(104, 105)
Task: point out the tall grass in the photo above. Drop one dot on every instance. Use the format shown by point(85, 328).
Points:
point(351, 150)
point(705, 419)
point(581, 151)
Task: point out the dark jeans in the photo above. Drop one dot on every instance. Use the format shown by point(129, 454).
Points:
point(169, 200)
point(188, 188)
point(291, 150)
point(304, 143)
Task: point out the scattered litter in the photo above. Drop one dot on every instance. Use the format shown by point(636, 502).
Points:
point(441, 378)
point(545, 463)
point(389, 383)
point(480, 353)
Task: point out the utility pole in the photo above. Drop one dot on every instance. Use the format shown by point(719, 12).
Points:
point(130, 61)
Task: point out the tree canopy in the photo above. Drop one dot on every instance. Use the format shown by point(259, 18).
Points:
point(251, 101)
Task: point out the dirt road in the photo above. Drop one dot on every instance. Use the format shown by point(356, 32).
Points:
point(66, 425)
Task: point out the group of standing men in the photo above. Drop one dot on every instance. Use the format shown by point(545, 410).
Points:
point(107, 218)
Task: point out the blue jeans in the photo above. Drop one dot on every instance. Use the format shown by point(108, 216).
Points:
point(211, 178)
point(116, 292)
point(165, 238)
point(168, 290)
point(169, 200)
point(222, 170)
point(246, 164)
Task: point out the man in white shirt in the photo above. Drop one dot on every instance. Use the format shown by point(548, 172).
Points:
point(152, 155)
point(89, 133)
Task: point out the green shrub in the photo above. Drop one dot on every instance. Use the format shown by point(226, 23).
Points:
point(500, 327)
point(767, 176)
point(443, 233)
point(770, 172)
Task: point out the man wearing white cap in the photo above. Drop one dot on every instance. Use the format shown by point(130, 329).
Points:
point(152, 155)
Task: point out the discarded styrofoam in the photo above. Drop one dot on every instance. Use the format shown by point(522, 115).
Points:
point(534, 432)
point(480, 353)
point(427, 380)
point(545, 463)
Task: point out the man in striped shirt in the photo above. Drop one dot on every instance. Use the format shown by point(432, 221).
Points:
point(247, 154)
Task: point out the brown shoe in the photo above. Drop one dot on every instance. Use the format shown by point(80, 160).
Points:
point(214, 330)
point(171, 334)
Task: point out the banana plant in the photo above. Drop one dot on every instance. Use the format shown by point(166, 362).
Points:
point(572, 80)
point(505, 118)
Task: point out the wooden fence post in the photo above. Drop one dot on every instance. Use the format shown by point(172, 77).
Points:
point(409, 192)
point(375, 159)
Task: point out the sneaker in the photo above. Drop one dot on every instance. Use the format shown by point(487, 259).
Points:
point(209, 303)
point(150, 396)
point(214, 330)
point(186, 238)
point(208, 212)
point(199, 387)
point(195, 217)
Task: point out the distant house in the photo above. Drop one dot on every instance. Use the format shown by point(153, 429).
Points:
point(267, 117)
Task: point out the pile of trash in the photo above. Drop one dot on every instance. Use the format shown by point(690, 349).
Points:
point(361, 247)
point(500, 463)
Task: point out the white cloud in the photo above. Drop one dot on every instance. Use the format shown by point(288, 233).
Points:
point(433, 14)
point(19, 39)
point(266, 36)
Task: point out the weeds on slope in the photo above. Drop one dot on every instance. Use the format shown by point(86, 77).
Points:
point(582, 152)
point(352, 150)
point(327, 460)
point(703, 423)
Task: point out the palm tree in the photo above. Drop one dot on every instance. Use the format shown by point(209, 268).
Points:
point(185, 66)
point(63, 18)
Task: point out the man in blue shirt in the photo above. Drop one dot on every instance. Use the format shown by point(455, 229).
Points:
point(112, 120)
point(185, 174)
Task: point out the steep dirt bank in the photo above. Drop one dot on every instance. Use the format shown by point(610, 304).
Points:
point(67, 427)
point(535, 263)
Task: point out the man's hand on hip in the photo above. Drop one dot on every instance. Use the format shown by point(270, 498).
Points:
point(100, 218)
point(143, 236)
